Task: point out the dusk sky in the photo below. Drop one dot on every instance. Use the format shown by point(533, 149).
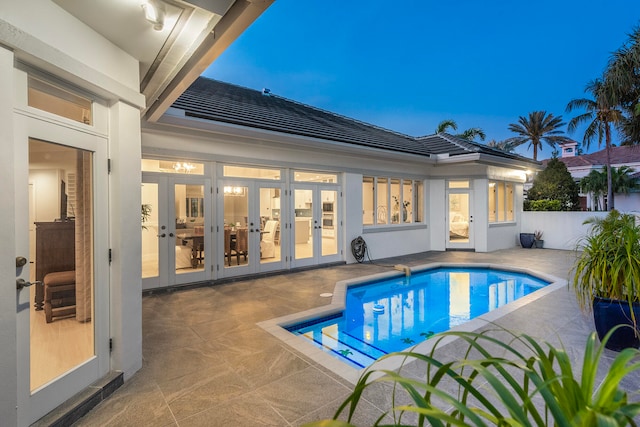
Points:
point(406, 66)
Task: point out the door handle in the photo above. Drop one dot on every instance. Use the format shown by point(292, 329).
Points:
point(21, 283)
point(20, 261)
point(162, 235)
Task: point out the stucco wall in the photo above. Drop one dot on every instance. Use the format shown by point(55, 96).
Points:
point(562, 230)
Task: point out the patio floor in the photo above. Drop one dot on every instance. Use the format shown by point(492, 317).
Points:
point(207, 363)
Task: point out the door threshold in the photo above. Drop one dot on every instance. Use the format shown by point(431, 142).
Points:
point(80, 404)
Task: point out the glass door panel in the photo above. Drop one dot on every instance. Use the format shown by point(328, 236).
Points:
point(150, 239)
point(329, 222)
point(270, 241)
point(304, 223)
point(62, 208)
point(460, 221)
point(236, 243)
point(190, 213)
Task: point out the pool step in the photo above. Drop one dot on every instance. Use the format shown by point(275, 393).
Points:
point(353, 351)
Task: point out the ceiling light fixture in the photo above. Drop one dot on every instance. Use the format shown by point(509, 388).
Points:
point(154, 12)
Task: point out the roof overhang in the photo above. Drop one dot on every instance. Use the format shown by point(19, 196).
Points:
point(175, 119)
point(194, 34)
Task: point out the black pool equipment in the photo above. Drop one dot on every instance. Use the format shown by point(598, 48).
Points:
point(358, 248)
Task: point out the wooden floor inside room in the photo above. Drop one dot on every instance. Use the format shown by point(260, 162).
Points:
point(57, 347)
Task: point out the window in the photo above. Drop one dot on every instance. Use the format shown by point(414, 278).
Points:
point(172, 166)
point(391, 201)
point(53, 99)
point(501, 201)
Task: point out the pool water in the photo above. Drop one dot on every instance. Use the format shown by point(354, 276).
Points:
point(395, 314)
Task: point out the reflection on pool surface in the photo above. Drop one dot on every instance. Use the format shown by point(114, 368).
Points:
point(394, 314)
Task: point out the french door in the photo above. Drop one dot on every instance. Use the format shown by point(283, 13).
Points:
point(251, 227)
point(459, 218)
point(176, 230)
point(62, 265)
point(315, 224)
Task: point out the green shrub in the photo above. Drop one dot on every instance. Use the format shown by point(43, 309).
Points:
point(542, 205)
point(517, 381)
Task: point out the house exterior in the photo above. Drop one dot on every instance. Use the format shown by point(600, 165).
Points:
point(104, 113)
point(581, 165)
point(76, 78)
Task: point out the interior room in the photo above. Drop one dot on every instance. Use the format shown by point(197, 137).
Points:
point(60, 246)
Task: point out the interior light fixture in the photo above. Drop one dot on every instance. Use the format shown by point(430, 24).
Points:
point(154, 12)
point(183, 167)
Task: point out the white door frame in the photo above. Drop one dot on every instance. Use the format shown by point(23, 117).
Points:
point(253, 218)
point(167, 275)
point(34, 405)
point(469, 244)
point(316, 224)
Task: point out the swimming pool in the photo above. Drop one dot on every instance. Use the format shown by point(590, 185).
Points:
point(392, 314)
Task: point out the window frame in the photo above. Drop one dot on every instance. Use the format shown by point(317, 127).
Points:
point(503, 204)
point(386, 212)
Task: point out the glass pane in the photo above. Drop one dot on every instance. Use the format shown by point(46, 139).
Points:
point(395, 204)
point(61, 211)
point(248, 172)
point(189, 241)
point(150, 239)
point(509, 202)
point(501, 204)
point(459, 218)
point(458, 184)
point(270, 247)
point(407, 198)
point(301, 176)
point(368, 211)
point(47, 97)
point(419, 197)
point(382, 210)
point(329, 222)
point(492, 201)
point(302, 231)
point(172, 166)
point(236, 232)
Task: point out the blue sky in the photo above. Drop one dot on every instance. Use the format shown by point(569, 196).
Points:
point(408, 65)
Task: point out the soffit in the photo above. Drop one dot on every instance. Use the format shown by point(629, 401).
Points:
point(177, 54)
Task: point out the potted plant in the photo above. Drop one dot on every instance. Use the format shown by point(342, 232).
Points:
point(538, 239)
point(527, 240)
point(606, 277)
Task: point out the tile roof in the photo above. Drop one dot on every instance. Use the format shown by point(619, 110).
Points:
point(622, 155)
point(223, 102)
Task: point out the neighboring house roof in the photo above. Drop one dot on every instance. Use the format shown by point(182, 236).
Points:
point(623, 155)
point(223, 102)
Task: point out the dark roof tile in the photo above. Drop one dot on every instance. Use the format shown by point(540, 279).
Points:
point(223, 102)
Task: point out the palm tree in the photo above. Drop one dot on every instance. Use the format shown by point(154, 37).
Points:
point(623, 77)
point(505, 146)
point(446, 124)
point(595, 183)
point(600, 114)
point(622, 180)
point(469, 134)
point(535, 129)
point(473, 133)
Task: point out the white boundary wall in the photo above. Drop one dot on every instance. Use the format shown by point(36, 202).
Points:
point(562, 230)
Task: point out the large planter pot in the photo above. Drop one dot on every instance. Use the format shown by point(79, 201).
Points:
point(527, 240)
point(608, 313)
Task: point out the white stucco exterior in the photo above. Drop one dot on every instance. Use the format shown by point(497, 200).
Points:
point(37, 37)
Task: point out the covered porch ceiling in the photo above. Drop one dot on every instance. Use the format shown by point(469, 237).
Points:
point(193, 34)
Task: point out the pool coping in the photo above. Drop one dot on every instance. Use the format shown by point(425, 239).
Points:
point(276, 327)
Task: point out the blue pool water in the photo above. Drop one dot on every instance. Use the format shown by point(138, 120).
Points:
point(394, 314)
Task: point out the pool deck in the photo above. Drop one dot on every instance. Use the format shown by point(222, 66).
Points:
point(207, 362)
